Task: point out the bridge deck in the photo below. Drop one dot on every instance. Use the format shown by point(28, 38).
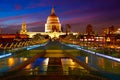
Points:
point(55, 69)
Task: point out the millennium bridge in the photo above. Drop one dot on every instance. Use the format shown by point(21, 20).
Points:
point(57, 60)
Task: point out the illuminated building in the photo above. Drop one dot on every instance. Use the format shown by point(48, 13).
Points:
point(52, 27)
point(12, 37)
point(108, 30)
point(23, 30)
point(53, 23)
point(111, 30)
point(117, 31)
point(105, 31)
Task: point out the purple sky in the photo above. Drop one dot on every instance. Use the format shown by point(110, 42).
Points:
point(77, 13)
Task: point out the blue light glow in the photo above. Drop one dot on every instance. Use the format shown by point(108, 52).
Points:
point(35, 46)
point(98, 54)
point(5, 55)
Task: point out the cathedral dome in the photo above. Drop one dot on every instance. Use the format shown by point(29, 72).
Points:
point(53, 23)
point(52, 18)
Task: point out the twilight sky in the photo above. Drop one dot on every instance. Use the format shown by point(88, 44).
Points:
point(77, 13)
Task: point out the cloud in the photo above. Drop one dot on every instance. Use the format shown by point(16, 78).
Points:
point(80, 19)
point(31, 26)
point(34, 24)
point(14, 17)
point(26, 17)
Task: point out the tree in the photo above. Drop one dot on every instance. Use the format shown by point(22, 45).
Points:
point(38, 36)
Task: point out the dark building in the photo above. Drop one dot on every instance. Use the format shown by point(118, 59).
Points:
point(89, 29)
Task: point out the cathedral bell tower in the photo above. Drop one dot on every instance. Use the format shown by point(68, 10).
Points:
point(23, 28)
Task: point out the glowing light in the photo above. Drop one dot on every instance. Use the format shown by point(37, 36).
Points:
point(45, 62)
point(71, 62)
point(89, 39)
point(92, 39)
point(35, 46)
point(98, 54)
point(11, 62)
point(109, 57)
point(86, 60)
point(85, 39)
point(108, 39)
point(5, 55)
point(81, 39)
point(25, 59)
point(28, 66)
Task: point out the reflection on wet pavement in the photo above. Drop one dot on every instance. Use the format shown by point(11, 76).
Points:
point(54, 66)
point(6, 64)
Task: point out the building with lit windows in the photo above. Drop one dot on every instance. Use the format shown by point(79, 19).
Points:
point(52, 27)
point(117, 31)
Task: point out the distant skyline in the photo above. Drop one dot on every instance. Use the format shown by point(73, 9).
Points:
point(77, 13)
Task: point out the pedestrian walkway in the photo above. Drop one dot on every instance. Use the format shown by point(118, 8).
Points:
point(57, 66)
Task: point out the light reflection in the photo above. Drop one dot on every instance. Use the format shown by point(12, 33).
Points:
point(68, 64)
point(31, 72)
point(92, 52)
point(5, 55)
point(35, 46)
point(11, 62)
point(101, 62)
point(24, 59)
point(40, 64)
point(86, 59)
point(72, 63)
point(28, 66)
point(115, 64)
point(45, 62)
